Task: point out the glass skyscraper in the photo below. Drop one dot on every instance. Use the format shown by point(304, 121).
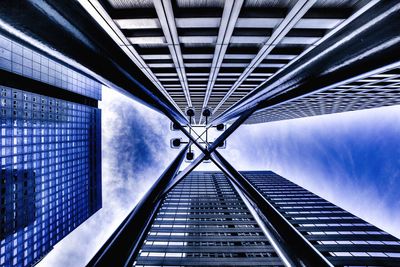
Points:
point(50, 152)
point(344, 239)
point(206, 221)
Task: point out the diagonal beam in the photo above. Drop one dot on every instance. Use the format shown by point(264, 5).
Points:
point(284, 231)
point(123, 245)
point(239, 121)
point(295, 14)
point(184, 173)
point(227, 25)
point(207, 152)
point(166, 16)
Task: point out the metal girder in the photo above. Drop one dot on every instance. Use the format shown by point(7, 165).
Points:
point(207, 152)
point(166, 16)
point(300, 249)
point(369, 43)
point(122, 247)
point(63, 30)
point(97, 11)
point(295, 14)
point(227, 25)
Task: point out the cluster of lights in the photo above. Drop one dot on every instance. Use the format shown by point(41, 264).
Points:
point(177, 142)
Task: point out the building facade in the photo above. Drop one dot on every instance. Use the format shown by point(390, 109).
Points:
point(50, 152)
point(206, 220)
point(344, 239)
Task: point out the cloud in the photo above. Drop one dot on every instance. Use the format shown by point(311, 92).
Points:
point(351, 159)
point(135, 151)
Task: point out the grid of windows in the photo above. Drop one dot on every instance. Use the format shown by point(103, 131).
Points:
point(53, 142)
point(204, 222)
point(26, 62)
point(17, 200)
point(340, 236)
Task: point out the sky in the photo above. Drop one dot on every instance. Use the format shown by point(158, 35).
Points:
point(351, 159)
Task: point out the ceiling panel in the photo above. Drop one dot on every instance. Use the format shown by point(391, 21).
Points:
point(212, 53)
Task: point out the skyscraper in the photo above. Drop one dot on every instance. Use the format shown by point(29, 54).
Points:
point(206, 220)
point(344, 239)
point(50, 152)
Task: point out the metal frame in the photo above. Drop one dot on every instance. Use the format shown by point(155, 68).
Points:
point(358, 48)
point(218, 54)
point(166, 17)
point(295, 14)
point(85, 46)
point(227, 25)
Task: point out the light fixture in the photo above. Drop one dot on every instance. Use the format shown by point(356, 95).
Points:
point(174, 126)
point(175, 143)
point(220, 127)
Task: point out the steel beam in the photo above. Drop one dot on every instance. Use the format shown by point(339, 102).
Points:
point(98, 11)
point(166, 16)
point(300, 249)
point(122, 247)
point(369, 43)
point(295, 14)
point(65, 31)
point(227, 25)
point(184, 173)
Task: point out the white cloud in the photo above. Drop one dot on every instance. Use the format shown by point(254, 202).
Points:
point(122, 187)
point(330, 156)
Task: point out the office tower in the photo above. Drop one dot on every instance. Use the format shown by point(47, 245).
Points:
point(205, 220)
point(50, 151)
point(344, 239)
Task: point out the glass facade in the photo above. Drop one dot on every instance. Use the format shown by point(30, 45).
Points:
point(46, 172)
point(344, 239)
point(29, 63)
point(377, 90)
point(203, 221)
point(50, 148)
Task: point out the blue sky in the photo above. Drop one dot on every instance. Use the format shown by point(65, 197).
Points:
point(351, 159)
